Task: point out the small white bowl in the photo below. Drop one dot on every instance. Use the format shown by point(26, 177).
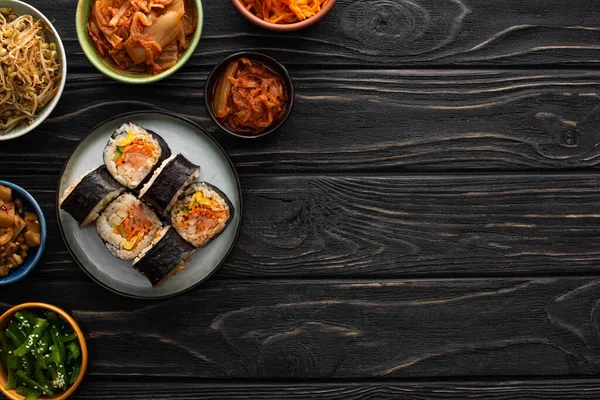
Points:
point(21, 8)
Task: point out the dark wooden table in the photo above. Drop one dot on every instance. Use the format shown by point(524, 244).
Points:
point(426, 225)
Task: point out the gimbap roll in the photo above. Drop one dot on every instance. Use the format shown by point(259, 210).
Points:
point(127, 226)
point(92, 193)
point(164, 257)
point(201, 214)
point(168, 181)
point(133, 153)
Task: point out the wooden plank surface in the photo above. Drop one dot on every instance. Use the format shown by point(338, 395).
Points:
point(395, 226)
point(352, 329)
point(347, 121)
point(498, 390)
point(419, 229)
point(398, 32)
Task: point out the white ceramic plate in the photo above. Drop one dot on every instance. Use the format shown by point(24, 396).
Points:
point(199, 147)
point(21, 8)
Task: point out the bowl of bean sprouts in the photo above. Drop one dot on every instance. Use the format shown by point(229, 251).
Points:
point(33, 68)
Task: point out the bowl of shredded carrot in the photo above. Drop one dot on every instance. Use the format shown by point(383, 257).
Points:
point(284, 15)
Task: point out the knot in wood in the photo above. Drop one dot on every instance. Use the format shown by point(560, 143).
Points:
point(287, 358)
point(402, 27)
point(571, 137)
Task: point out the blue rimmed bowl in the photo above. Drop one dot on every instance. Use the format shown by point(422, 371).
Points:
point(29, 204)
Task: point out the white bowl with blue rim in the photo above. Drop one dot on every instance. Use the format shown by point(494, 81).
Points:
point(34, 255)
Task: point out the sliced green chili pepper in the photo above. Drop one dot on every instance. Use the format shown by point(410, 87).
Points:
point(11, 382)
point(15, 335)
point(43, 344)
point(38, 373)
point(24, 322)
point(35, 335)
point(73, 349)
point(31, 317)
point(30, 394)
point(13, 361)
point(74, 374)
point(48, 359)
point(57, 340)
point(58, 379)
point(69, 337)
point(27, 364)
point(32, 384)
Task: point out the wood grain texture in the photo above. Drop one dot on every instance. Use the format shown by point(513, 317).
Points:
point(503, 390)
point(337, 329)
point(346, 121)
point(395, 226)
point(396, 32)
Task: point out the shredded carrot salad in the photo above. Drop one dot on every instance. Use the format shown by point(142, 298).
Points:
point(284, 11)
point(145, 35)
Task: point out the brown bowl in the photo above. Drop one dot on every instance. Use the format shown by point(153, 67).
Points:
point(283, 27)
point(4, 320)
point(274, 65)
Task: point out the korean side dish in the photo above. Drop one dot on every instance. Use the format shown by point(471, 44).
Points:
point(30, 72)
point(19, 231)
point(142, 35)
point(147, 205)
point(249, 97)
point(40, 354)
point(284, 11)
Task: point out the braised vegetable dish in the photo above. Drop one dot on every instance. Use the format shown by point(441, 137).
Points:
point(249, 97)
point(142, 35)
point(40, 354)
point(19, 231)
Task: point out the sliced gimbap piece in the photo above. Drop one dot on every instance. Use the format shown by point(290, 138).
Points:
point(132, 153)
point(164, 257)
point(127, 226)
point(168, 181)
point(201, 214)
point(90, 195)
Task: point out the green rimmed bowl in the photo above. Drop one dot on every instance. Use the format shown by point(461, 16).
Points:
point(110, 70)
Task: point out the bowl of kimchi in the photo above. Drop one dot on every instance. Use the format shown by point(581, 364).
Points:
point(139, 41)
point(249, 95)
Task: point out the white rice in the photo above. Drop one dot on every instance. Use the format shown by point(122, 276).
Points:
point(114, 215)
point(129, 176)
point(95, 213)
point(191, 233)
point(156, 239)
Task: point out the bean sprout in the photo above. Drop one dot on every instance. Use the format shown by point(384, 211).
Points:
point(29, 69)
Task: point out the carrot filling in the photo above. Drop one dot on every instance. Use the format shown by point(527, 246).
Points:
point(133, 228)
point(134, 151)
point(202, 212)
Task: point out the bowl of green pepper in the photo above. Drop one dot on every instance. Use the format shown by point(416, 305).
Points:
point(43, 353)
